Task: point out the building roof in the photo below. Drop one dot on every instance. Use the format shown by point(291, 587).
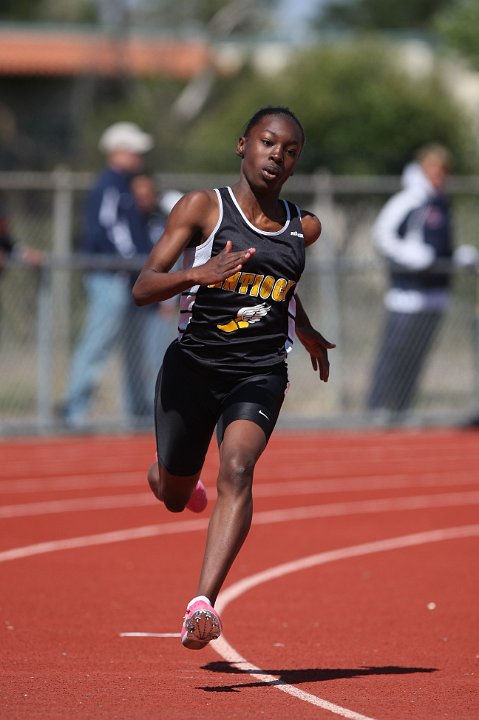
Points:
point(67, 52)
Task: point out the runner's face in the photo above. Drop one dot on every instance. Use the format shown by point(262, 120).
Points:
point(271, 150)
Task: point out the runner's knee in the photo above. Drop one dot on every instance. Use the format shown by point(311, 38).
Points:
point(236, 472)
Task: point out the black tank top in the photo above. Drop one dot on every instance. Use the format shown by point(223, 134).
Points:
point(247, 321)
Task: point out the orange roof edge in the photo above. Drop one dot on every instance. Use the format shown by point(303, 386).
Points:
point(69, 52)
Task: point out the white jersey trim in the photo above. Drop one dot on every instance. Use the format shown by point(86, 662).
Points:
point(291, 324)
point(253, 227)
point(193, 257)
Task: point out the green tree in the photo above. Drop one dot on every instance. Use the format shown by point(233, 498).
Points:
point(210, 16)
point(42, 10)
point(459, 27)
point(381, 14)
point(361, 114)
point(19, 10)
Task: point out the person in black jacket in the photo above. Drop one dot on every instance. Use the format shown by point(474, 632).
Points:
point(157, 325)
point(10, 248)
point(6, 242)
point(114, 228)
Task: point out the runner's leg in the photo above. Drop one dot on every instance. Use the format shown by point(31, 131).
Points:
point(242, 445)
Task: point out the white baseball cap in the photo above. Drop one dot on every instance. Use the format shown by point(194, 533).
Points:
point(125, 136)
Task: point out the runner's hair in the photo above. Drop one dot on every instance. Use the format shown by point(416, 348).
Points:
point(273, 110)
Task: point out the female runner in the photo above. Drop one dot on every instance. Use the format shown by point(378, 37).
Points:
point(243, 254)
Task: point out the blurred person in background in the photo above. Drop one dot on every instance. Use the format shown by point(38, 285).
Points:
point(157, 324)
point(413, 233)
point(9, 248)
point(115, 229)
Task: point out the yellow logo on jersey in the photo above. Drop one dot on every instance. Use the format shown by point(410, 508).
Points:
point(246, 316)
point(263, 286)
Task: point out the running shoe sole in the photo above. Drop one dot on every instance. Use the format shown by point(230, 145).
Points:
point(200, 628)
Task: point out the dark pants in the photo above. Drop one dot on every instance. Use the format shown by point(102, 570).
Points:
point(406, 341)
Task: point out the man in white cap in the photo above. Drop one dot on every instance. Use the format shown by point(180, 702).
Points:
point(114, 229)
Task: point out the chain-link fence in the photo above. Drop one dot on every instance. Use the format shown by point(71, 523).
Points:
point(42, 310)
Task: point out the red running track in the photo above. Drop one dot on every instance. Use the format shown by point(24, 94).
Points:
point(355, 595)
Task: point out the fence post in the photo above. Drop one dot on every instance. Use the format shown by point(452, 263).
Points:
point(62, 242)
point(61, 273)
point(476, 340)
point(328, 279)
point(45, 349)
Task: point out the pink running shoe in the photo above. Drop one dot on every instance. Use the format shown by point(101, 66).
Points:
point(200, 625)
point(199, 500)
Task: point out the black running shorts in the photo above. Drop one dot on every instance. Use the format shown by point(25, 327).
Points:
point(190, 401)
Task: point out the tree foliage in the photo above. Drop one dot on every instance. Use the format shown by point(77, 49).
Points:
point(381, 14)
point(43, 10)
point(18, 10)
point(459, 27)
point(216, 16)
point(361, 114)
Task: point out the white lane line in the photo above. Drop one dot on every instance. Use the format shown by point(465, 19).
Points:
point(261, 518)
point(150, 634)
point(47, 507)
point(358, 507)
point(73, 482)
point(228, 653)
point(281, 486)
point(139, 533)
point(358, 483)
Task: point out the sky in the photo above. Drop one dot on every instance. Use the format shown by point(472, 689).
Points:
point(300, 8)
point(296, 13)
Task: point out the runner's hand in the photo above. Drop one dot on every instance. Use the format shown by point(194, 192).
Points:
point(318, 347)
point(223, 265)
